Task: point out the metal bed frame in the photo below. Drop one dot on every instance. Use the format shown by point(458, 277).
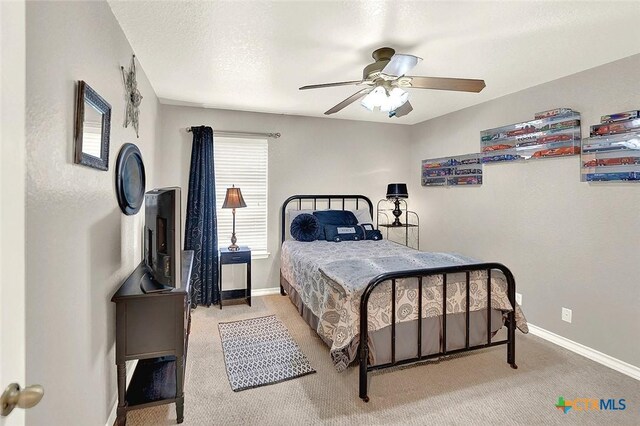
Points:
point(363, 348)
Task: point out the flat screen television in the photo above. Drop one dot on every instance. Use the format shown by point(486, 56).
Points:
point(162, 235)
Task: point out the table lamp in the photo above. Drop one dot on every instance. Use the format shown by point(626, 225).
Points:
point(233, 200)
point(396, 191)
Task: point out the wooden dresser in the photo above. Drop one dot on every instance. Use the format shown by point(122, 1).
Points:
point(152, 328)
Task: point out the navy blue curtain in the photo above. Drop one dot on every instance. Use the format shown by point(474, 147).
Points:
point(201, 226)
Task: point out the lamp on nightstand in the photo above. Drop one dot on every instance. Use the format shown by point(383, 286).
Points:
point(396, 191)
point(233, 200)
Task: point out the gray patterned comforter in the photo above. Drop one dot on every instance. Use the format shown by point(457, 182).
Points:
point(330, 278)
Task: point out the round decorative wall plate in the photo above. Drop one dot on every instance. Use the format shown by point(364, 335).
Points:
point(130, 179)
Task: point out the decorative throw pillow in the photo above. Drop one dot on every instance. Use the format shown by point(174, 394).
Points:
point(337, 233)
point(334, 217)
point(374, 234)
point(370, 232)
point(305, 227)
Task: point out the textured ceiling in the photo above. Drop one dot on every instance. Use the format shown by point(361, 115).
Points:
point(253, 56)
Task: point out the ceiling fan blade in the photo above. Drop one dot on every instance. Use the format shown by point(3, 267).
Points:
point(342, 83)
point(402, 110)
point(400, 64)
point(351, 99)
point(440, 83)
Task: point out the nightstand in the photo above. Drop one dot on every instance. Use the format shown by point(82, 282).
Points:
point(232, 258)
point(408, 233)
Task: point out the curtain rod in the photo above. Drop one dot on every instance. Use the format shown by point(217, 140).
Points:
point(231, 133)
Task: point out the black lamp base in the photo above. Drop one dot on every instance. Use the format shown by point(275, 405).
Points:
point(397, 212)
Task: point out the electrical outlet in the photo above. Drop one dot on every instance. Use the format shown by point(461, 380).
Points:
point(566, 315)
point(519, 299)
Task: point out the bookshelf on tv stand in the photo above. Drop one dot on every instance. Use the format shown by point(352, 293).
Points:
point(409, 219)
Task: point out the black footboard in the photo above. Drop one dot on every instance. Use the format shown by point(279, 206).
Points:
point(420, 274)
point(343, 202)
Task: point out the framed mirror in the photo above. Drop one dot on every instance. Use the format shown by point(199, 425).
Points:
point(93, 125)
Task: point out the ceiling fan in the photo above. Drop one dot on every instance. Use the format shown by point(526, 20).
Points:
point(385, 80)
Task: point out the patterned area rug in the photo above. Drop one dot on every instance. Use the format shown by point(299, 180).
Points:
point(259, 352)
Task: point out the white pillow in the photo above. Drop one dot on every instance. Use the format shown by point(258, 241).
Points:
point(292, 214)
point(363, 216)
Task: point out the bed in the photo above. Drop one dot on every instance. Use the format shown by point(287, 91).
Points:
point(385, 304)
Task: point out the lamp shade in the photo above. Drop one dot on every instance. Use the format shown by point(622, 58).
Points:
point(233, 199)
point(397, 190)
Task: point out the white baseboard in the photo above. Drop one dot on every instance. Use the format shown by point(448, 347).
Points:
point(265, 291)
point(131, 366)
point(592, 354)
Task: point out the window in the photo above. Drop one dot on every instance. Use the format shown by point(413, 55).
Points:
point(243, 163)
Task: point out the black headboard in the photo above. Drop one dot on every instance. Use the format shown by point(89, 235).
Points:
point(337, 202)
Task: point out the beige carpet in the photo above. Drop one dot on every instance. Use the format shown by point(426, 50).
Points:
point(479, 388)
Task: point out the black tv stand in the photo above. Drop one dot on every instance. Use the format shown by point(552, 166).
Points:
point(149, 285)
point(153, 328)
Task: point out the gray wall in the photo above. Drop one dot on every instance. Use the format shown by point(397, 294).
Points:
point(314, 155)
point(80, 247)
point(569, 244)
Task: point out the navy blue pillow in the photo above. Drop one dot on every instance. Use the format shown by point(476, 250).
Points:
point(370, 232)
point(373, 234)
point(305, 227)
point(339, 233)
point(334, 217)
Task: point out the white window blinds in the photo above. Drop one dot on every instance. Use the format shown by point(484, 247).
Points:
point(243, 163)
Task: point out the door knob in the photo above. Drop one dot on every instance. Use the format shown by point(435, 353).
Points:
point(23, 398)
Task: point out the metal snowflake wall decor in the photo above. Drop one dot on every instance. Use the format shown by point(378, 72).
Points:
point(133, 96)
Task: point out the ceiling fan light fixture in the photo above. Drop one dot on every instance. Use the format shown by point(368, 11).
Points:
point(374, 99)
point(397, 98)
point(382, 100)
point(385, 80)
